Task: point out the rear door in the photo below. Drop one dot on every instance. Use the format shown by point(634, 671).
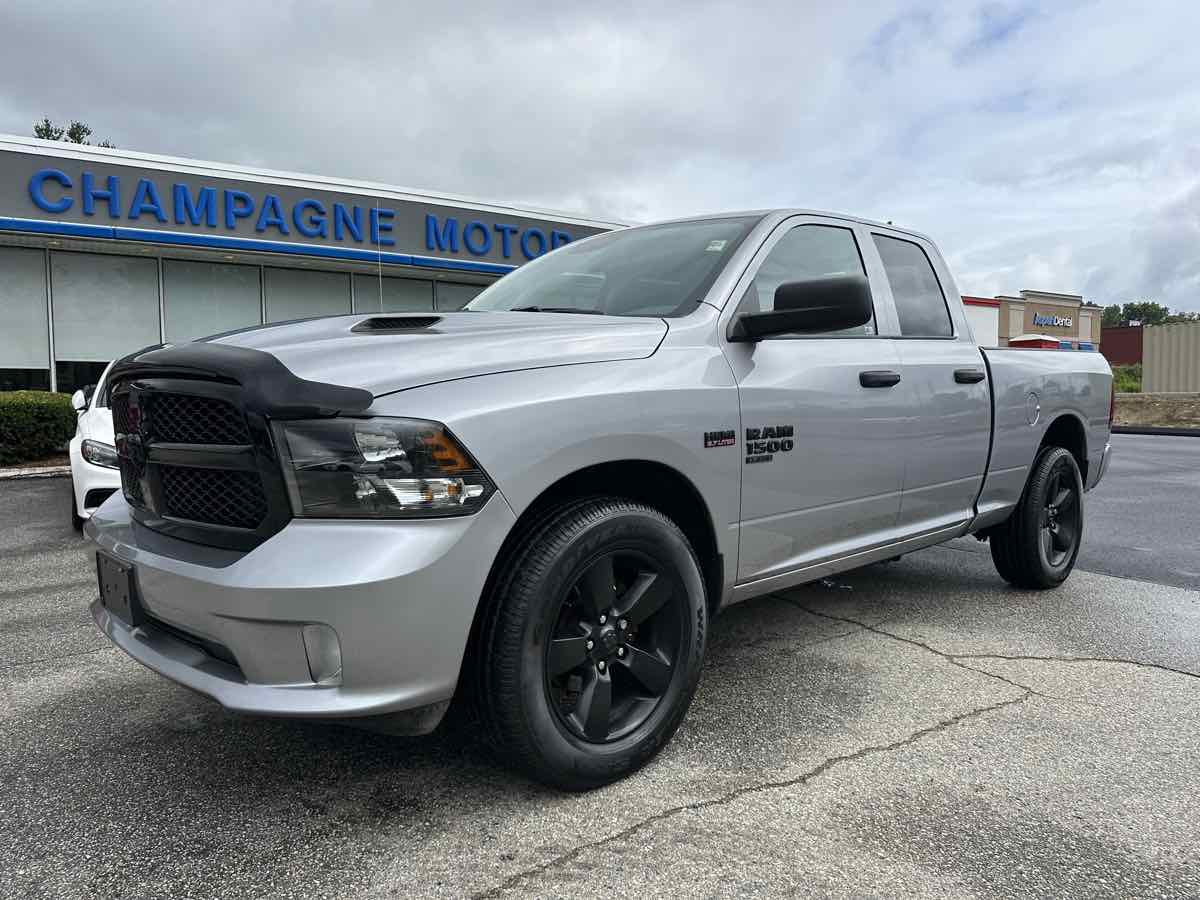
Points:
point(820, 475)
point(945, 440)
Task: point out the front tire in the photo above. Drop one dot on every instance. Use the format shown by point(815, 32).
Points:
point(593, 643)
point(1037, 547)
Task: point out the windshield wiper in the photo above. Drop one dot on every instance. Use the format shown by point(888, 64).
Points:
point(562, 309)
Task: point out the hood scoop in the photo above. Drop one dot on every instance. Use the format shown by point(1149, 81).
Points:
point(392, 324)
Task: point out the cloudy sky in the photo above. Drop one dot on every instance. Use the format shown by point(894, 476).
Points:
point(1051, 145)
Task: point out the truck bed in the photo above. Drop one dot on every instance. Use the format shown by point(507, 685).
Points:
point(1032, 390)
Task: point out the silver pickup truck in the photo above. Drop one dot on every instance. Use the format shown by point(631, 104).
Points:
point(538, 504)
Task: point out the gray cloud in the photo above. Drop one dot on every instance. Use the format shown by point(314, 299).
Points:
point(1048, 146)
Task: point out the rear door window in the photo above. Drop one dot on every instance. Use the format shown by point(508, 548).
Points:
point(920, 303)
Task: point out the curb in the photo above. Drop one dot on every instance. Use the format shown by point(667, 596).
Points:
point(35, 472)
point(1152, 429)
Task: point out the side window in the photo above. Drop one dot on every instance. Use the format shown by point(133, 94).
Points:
point(804, 253)
point(920, 303)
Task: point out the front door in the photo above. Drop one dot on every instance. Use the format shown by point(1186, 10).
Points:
point(820, 473)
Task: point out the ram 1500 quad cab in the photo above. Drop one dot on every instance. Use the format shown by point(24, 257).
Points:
point(540, 502)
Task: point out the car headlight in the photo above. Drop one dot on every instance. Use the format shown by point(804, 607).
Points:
point(99, 454)
point(379, 468)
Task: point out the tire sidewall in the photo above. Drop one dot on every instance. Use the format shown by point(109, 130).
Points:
point(1034, 502)
point(620, 527)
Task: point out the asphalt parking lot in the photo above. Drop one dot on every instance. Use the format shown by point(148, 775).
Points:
point(914, 728)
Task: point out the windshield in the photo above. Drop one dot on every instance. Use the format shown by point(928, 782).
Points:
point(661, 270)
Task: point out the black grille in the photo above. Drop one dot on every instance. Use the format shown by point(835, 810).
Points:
point(132, 468)
point(214, 496)
point(184, 419)
point(194, 465)
point(120, 414)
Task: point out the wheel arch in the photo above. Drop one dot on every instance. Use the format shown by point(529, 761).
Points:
point(655, 484)
point(1067, 431)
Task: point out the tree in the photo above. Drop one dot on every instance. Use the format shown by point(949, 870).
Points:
point(1145, 312)
point(75, 133)
point(1181, 316)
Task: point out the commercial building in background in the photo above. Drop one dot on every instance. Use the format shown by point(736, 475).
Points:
point(1042, 314)
point(103, 252)
point(1035, 319)
point(1122, 344)
point(983, 315)
point(1171, 358)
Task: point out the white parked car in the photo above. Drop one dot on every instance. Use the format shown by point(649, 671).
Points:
point(94, 472)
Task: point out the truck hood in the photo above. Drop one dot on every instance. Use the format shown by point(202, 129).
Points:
point(433, 347)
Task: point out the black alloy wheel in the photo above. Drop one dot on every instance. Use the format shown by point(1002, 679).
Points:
point(1060, 522)
point(612, 653)
point(591, 643)
point(1037, 546)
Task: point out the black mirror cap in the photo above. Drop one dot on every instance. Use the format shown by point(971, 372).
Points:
point(814, 306)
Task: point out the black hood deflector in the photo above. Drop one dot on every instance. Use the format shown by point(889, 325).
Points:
point(268, 386)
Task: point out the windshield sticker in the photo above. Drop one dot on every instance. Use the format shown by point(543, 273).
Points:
point(715, 246)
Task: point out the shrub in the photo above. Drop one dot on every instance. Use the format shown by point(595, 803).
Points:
point(1128, 379)
point(33, 424)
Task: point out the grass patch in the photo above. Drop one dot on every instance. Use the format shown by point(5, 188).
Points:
point(1127, 379)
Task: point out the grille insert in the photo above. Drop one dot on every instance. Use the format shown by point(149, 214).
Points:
point(213, 496)
point(184, 419)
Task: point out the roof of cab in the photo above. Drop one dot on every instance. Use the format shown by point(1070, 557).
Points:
point(784, 212)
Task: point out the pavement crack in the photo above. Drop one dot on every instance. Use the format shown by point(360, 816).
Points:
point(1116, 660)
point(575, 853)
point(953, 658)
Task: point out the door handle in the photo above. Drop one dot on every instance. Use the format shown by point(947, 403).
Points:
point(875, 378)
point(968, 376)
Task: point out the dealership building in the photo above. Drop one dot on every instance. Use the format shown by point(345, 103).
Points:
point(103, 252)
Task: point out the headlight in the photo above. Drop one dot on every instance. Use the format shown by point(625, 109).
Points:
point(379, 468)
point(99, 454)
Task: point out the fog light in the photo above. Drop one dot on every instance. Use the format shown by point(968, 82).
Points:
point(324, 654)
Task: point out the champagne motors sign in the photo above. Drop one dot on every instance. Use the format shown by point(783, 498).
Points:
point(102, 197)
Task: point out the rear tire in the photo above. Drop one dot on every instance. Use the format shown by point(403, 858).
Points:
point(591, 648)
point(1037, 547)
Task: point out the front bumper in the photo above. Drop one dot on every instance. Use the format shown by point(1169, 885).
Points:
point(400, 595)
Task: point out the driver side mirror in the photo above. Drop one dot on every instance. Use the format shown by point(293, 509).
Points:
point(79, 401)
point(813, 307)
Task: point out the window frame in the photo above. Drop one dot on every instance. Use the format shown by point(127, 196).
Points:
point(909, 239)
point(778, 234)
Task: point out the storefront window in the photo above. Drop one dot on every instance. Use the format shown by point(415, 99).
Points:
point(24, 340)
point(456, 296)
point(201, 298)
point(373, 293)
point(104, 307)
point(299, 293)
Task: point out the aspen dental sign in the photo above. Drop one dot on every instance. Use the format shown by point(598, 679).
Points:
point(82, 198)
point(1053, 321)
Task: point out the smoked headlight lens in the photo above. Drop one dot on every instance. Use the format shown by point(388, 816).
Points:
point(99, 454)
point(379, 468)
